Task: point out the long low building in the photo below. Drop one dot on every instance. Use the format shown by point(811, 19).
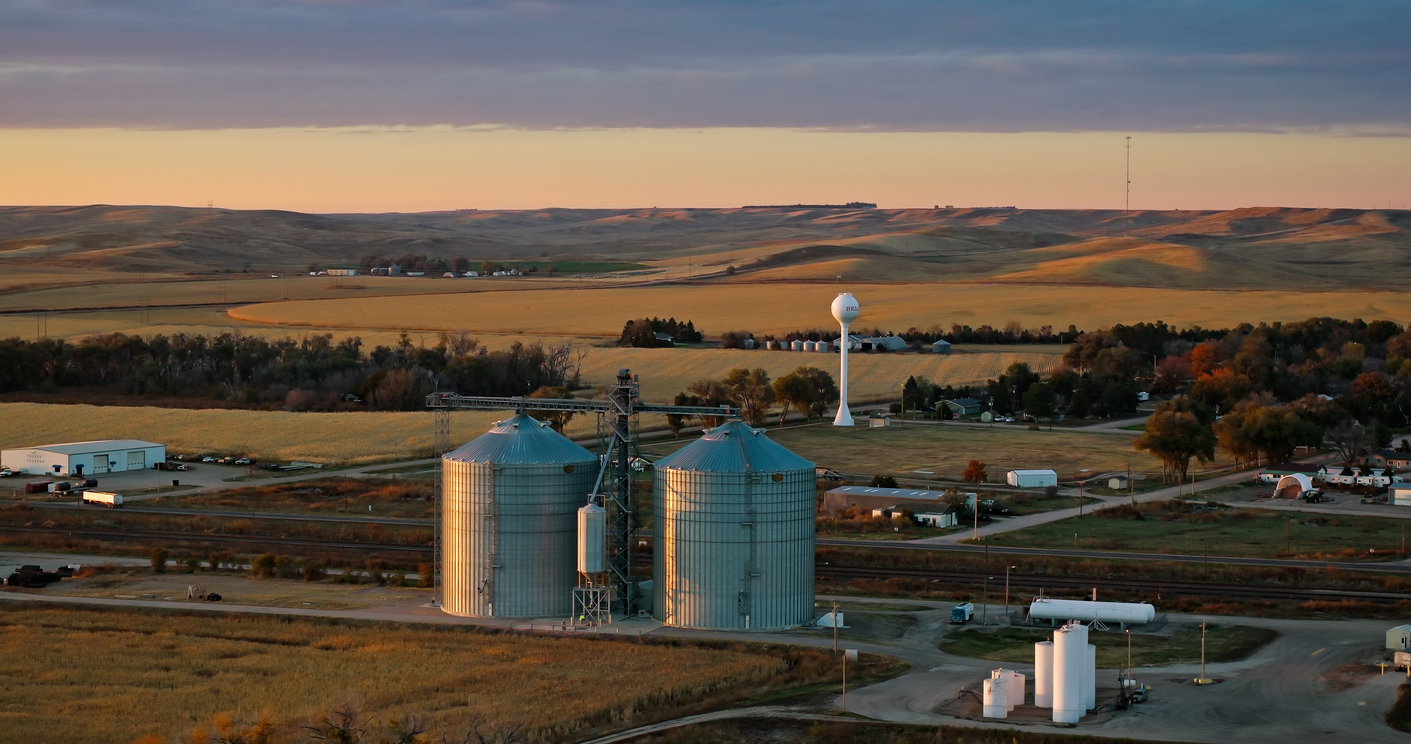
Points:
point(868, 497)
point(84, 458)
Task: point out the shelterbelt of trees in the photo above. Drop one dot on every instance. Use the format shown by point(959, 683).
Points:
point(1257, 391)
point(310, 373)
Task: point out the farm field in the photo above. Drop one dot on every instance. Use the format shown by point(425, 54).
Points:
point(165, 674)
point(779, 308)
point(1016, 645)
point(944, 450)
point(239, 588)
point(1253, 533)
point(328, 438)
point(400, 498)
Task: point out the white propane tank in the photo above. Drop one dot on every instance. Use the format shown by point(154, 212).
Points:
point(1090, 679)
point(592, 539)
point(994, 698)
point(1069, 655)
point(1043, 674)
point(1127, 613)
point(1013, 689)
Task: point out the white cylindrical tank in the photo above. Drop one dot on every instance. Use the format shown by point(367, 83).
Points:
point(810, 346)
point(825, 347)
point(1108, 612)
point(1043, 674)
point(592, 539)
point(1090, 679)
point(1013, 689)
point(994, 698)
point(1069, 656)
point(797, 345)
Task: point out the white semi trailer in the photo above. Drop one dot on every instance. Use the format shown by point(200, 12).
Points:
point(103, 498)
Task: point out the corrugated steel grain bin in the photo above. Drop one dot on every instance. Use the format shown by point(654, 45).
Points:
point(510, 521)
point(734, 533)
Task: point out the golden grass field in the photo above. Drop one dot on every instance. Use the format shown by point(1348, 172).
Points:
point(330, 438)
point(780, 308)
point(112, 675)
point(944, 449)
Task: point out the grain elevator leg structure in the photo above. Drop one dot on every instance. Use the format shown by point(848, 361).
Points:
point(619, 409)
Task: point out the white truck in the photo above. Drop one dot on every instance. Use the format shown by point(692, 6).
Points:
point(110, 500)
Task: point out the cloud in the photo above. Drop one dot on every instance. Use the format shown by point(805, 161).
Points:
point(1025, 65)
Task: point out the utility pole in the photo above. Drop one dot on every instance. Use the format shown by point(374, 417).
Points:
point(1127, 206)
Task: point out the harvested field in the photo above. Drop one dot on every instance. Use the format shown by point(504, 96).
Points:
point(945, 449)
point(785, 307)
point(166, 674)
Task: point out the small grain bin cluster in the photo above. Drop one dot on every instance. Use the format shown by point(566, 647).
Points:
point(525, 536)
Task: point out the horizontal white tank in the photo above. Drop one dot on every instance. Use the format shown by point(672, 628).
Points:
point(995, 701)
point(1043, 674)
point(1107, 612)
point(592, 539)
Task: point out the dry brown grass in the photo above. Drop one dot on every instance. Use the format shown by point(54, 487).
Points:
point(785, 307)
point(113, 675)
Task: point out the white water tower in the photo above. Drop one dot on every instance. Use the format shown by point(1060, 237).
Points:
point(845, 309)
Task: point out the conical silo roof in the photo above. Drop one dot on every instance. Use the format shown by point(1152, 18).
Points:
point(521, 440)
point(734, 448)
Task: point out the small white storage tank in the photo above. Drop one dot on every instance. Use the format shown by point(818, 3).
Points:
point(809, 346)
point(1090, 677)
point(1125, 613)
point(824, 347)
point(1043, 674)
point(592, 539)
point(1031, 478)
point(1013, 688)
point(995, 700)
point(797, 345)
point(1069, 657)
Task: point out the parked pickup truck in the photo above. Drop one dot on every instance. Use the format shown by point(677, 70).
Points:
point(103, 498)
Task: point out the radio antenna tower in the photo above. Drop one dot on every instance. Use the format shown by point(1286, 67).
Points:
point(1127, 207)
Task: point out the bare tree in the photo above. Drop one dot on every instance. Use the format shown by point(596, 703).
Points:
point(1350, 440)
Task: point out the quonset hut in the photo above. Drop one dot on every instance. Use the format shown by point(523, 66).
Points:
point(734, 516)
point(510, 527)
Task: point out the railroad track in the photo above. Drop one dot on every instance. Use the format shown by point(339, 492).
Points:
point(219, 538)
point(822, 570)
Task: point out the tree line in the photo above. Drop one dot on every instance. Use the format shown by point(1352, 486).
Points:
point(806, 390)
point(310, 373)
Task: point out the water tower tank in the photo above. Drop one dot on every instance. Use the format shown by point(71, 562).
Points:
point(734, 533)
point(509, 521)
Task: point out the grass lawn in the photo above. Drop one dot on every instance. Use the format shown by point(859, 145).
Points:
point(1188, 529)
point(1016, 645)
point(113, 675)
point(944, 450)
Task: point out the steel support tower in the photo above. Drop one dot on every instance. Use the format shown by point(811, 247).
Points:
point(615, 417)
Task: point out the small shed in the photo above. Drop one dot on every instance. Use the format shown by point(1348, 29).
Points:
point(1399, 638)
point(877, 421)
point(1292, 486)
point(938, 519)
point(940, 347)
point(1400, 495)
point(1117, 482)
point(1031, 478)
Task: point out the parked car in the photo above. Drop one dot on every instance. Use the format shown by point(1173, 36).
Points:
point(5, 473)
point(183, 466)
point(1139, 696)
point(243, 461)
point(208, 459)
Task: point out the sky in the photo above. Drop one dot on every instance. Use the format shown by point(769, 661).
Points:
point(366, 105)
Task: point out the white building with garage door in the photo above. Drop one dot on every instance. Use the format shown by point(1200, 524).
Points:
point(84, 458)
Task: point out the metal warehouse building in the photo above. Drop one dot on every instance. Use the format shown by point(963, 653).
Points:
point(84, 458)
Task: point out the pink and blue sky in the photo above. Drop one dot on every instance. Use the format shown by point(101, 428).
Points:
point(373, 105)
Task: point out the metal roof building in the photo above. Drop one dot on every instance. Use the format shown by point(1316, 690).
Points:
point(734, 533)
point(84, 458)
point(869, 497)
point(510, 527)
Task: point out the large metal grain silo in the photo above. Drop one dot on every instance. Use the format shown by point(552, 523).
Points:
point(734, 526)
point(509, 521)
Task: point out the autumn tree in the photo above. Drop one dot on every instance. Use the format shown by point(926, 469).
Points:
point(824, 390)
point(557, 419)
point(1178, 431)
point(751, 391)
point(793, 391)
point(975, 472)
point(710, 393)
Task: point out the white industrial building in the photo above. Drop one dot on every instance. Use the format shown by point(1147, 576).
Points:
point(1031, 478)
point(84, 458)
